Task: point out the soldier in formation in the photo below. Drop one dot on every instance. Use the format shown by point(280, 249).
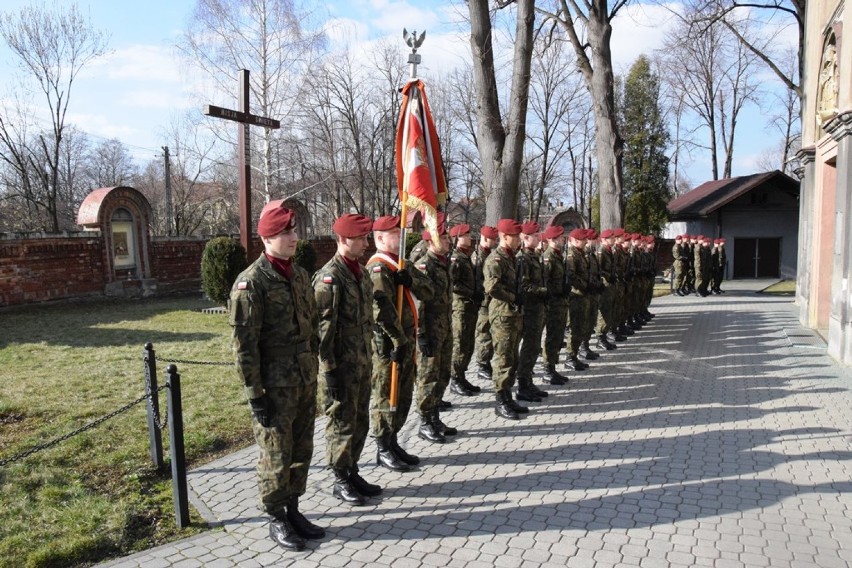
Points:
point(344, 298)
point(467, 297)
point(274, 319)
point(532, 288)
point(484, 347)
point(557, 280)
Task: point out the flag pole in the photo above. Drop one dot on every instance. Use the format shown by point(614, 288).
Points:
point(414, 41)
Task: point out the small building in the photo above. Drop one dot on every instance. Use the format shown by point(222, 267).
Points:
point(757, 215)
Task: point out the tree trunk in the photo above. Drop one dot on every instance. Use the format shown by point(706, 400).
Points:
point(609, 144)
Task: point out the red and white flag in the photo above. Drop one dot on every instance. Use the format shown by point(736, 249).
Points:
point(419, 169)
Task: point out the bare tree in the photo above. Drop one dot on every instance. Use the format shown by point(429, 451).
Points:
point(109, 164)
point(714, 72)
point(52, 47)
point(501, 145)
point(593, 19)
point(269, 38)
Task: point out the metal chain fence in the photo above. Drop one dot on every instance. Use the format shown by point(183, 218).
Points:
point(89, 426)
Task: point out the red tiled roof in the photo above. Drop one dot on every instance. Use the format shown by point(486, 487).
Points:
point(711, 195)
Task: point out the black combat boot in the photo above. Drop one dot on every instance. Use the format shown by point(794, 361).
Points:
point(588, 354)
point(648, 315)
point(444, 405)
point(386, 457)
point(551, 376)
point(617, 336)
point(624, 329)
point(458, 388)
point(303, 527)
point(484, 371)
point(525, 392)
point(343, 488)
point(361, 485)
point(429, 431)
point(503, 410)
point(603, 341)
point(576, 363)
point(462, 380)
point(445, 430)
point(284, 535)
point(514, 405)
point(542, 394)
point(633, 323)
point(410, 459)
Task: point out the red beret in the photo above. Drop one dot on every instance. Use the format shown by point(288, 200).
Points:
point(459, 230)
point(619, 232)
point(386, 223)
point(426, 236)
point(509, 227)
point(274, 218)
point(722, 240)
point(578, 233)
point(488, 232)
point(591, 234)
point(352, 225)
point(530, 228)
point(553, 232)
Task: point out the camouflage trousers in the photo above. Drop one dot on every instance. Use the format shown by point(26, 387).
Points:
point(577, 310)
point(348, 419)
point(465, 315)
point(679, 274)
point(433, 373)
point(690, 277)
point(530, 339)
point(484, 345)
point(591, 320)
point(506, 334)
point(286, 446)
point(384, 422)
point(607, 321)
point(556, 320)
point(702, 280)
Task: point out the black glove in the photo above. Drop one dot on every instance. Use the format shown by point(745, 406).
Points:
point(424, 345)
point(478, 297)
point(398, 354)
point(263, 410)
point(402, 277)
point(332, 385)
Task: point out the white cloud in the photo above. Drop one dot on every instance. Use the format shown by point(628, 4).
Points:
point(640, 29)
point(138, 63)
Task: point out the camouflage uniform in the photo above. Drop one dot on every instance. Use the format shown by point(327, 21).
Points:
point(680, 266)
point(558, 283)
point(535, 294)
point(608, 297)
point(620, 259)
point(594, 300)
point(345, 310)
point(689, 252)
point(465, 310)
point(433, 373)
point(275, 345)
point(506, 320)
point(702, 269)
point(484, 346)
point(578, 305)
point(388, 334)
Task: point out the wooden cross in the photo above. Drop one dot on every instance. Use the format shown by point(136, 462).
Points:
point(247, 119)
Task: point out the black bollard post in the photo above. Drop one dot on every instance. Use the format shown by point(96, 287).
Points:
point(155, 439)
point(176, 444)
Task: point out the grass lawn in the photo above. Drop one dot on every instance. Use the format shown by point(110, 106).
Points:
point(781, 288)
point(97, 495)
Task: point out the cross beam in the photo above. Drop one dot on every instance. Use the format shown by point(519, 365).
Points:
point(246, 119)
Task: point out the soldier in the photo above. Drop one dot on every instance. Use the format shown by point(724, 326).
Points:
point(609, 280)
point(690, 255)
point(702, 266)
point(504, 314)
point(578, 265)
point(394, 341)
point(679, 266)
point(466, 302)
point(650, 277)
point(344, 297)
point(434, 338)
point(274, 320)
point(534, 292)
point(484, 347)
point(622, 267)
point(558, 283)
point(594, 294)
point(720, 268)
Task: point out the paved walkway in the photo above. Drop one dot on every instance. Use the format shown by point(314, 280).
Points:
point(717, 436)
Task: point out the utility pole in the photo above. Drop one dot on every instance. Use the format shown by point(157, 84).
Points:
point(169, 210)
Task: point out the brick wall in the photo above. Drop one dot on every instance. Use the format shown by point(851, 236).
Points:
point(35, 270)
point(176, 263)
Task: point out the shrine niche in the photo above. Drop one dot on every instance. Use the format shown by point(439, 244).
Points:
point(569, 219)
point(304, 223)
point(122, 216)
point(829, 80)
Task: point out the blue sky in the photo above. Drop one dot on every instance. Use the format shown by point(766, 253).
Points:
point(134, 93)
